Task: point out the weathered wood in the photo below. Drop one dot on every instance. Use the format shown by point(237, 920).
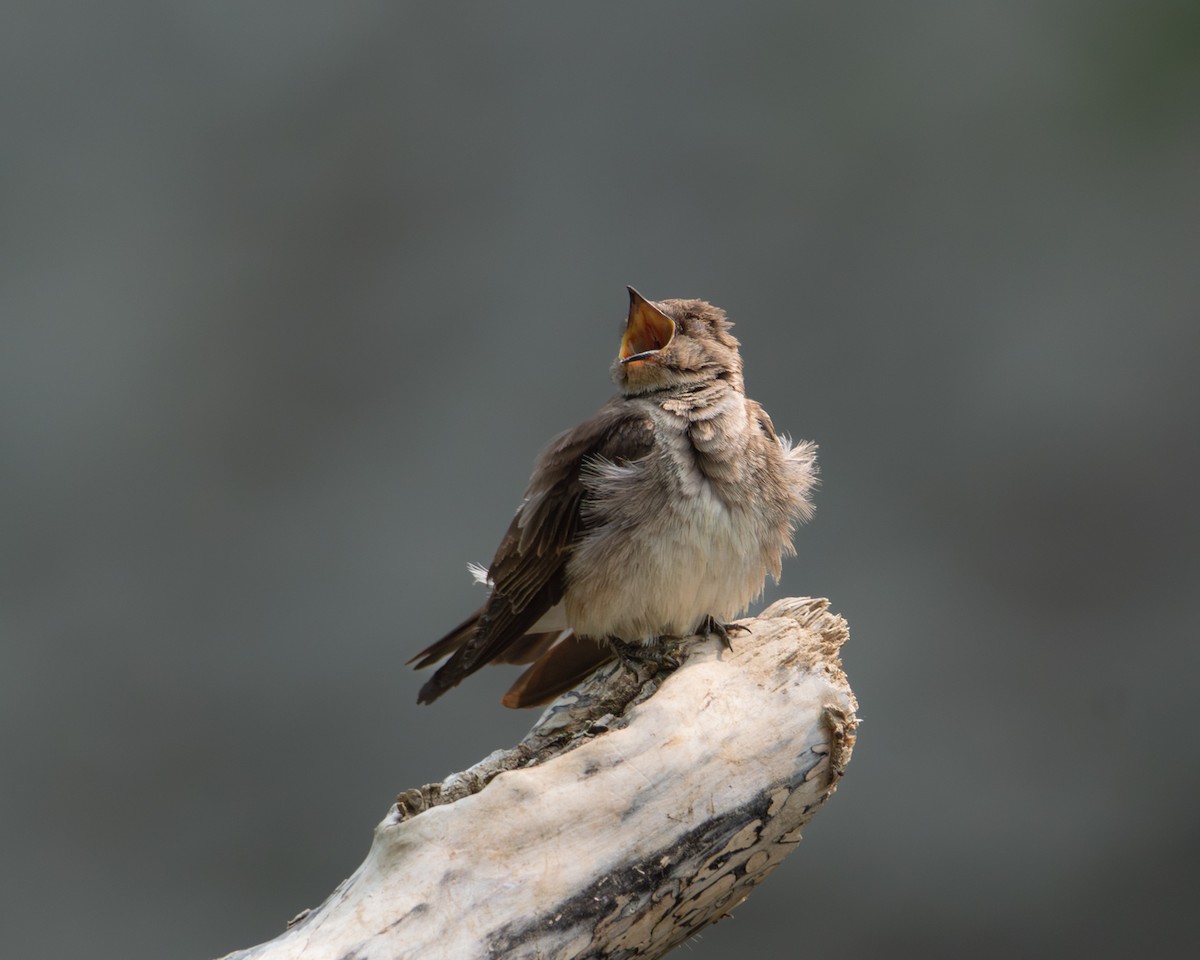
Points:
point(636, 812)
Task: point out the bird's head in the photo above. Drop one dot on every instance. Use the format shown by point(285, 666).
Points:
point(675, 343)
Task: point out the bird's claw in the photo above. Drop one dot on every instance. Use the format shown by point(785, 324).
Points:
point(637, 657)
point(713, 627)
point(632, 655)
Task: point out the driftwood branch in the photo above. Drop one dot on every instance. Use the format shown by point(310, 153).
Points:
point(636, 812)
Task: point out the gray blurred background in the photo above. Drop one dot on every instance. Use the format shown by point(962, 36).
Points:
point(293, 293)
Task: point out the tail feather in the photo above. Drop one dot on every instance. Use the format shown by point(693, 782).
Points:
point(560, 660)
point(450, 643)
point(560, 668)
point(529, 647)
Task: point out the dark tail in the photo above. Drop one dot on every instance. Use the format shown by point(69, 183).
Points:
point(560, 668)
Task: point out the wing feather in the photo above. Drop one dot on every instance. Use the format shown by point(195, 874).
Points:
point(529, 569)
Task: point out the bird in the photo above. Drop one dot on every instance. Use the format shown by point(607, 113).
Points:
point(658, 517)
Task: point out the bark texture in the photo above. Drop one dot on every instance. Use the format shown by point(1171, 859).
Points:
point(637, 811)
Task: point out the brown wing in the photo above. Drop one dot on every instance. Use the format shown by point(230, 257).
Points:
point(528, 572)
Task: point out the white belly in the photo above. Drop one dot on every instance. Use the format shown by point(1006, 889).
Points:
point(662, 571)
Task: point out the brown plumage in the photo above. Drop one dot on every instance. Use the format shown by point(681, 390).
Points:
point(666, 508)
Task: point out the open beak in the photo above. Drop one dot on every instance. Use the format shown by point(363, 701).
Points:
point(647, 330)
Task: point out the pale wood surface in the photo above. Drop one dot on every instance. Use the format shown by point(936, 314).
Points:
point(636, 812)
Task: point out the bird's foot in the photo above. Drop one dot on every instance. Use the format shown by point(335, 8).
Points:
point(639, 657)
point(713, 627)
point(628, 653)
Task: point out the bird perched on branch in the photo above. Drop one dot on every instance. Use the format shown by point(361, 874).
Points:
point(659, 516)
